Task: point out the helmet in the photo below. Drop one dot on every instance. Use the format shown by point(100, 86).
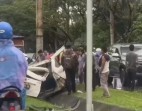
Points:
point(98, 50)
point(6, 30)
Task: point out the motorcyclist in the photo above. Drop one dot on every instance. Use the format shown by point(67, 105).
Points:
point(13, 65)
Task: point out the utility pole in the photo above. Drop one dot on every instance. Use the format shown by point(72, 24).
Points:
point(89, 106)
point(111, 28)
point(111, 24)
point(39, 25)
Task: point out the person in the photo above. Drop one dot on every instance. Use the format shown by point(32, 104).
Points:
point(94, 79)
point(68, 64)
point(75, 61)
point(131, 61)
point(40, 56)
point(104, 72)
point(97, 67)
point(81, 61)
point(46, 54)
point(13, 65)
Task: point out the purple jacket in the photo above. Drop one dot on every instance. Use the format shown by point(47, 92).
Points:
point(13, 65)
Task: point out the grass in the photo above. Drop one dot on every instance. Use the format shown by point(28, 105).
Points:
point(43, 105)
point(124, 99)
point(38, 103)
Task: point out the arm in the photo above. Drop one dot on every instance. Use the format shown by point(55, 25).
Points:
point(62, 61)
point(136, 59)
point(23, 65)
point(126, 62)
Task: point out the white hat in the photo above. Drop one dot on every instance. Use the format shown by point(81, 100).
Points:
point(98, 50)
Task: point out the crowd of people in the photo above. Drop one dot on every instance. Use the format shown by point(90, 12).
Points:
point(74, 64)
point(101, 62)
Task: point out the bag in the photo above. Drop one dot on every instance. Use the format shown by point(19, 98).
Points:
point(107, 58)
point(68, 60)
point(100, 61)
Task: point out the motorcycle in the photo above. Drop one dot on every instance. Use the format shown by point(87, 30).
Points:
point(10, 99)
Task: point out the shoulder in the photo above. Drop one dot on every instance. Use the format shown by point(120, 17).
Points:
point(106, 57)
point(136, 55)
point(12, 50)
point(18, 53)
point(128, 54)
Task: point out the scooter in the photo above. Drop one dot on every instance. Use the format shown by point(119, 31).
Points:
point(10, 99)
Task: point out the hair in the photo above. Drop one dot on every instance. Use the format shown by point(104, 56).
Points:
point(131, 47)
point(104, 49)
point(68, 45)
point(40, 51)
point(75, 48)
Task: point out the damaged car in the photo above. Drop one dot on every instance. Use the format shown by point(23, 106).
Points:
point(46, 77)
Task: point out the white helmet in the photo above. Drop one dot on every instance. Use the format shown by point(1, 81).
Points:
point(98, 50)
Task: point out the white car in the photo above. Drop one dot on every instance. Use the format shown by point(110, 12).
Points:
point(45, 77)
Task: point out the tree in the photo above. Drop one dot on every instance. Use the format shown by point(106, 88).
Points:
point(21, 15)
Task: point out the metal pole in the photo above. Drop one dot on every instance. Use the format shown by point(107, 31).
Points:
point(39, 25)
point(111, 24)
point(89, 55)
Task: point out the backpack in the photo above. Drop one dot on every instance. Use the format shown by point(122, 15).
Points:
point(106, 56)
point(100, 61)
point(68, 60)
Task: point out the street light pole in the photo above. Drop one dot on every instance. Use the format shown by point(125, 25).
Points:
point(89, 55)
point(39, 25)
point(111, 24)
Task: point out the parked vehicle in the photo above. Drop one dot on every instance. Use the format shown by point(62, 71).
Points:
point(122, 50)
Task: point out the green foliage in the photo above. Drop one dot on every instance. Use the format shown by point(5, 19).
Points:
point(136, 35)
point(70, 17)
point(101, 35)
point(21, 14)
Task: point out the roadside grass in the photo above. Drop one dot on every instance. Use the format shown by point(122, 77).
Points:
point(124, 99)
point(38, 103)
point(120, 98)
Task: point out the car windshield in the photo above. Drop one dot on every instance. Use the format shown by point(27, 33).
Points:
point(125, 50)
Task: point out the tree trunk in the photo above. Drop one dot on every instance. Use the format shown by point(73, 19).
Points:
point(39, 25)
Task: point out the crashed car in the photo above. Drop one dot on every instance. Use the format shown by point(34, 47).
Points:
point(45, 77)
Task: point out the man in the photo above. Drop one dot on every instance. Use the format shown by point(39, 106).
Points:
point(131, 61)
point(40, 56)
point(97, 67)
point(104, 72)
point(69, 64)
point(13, 65)
point(46, 54)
